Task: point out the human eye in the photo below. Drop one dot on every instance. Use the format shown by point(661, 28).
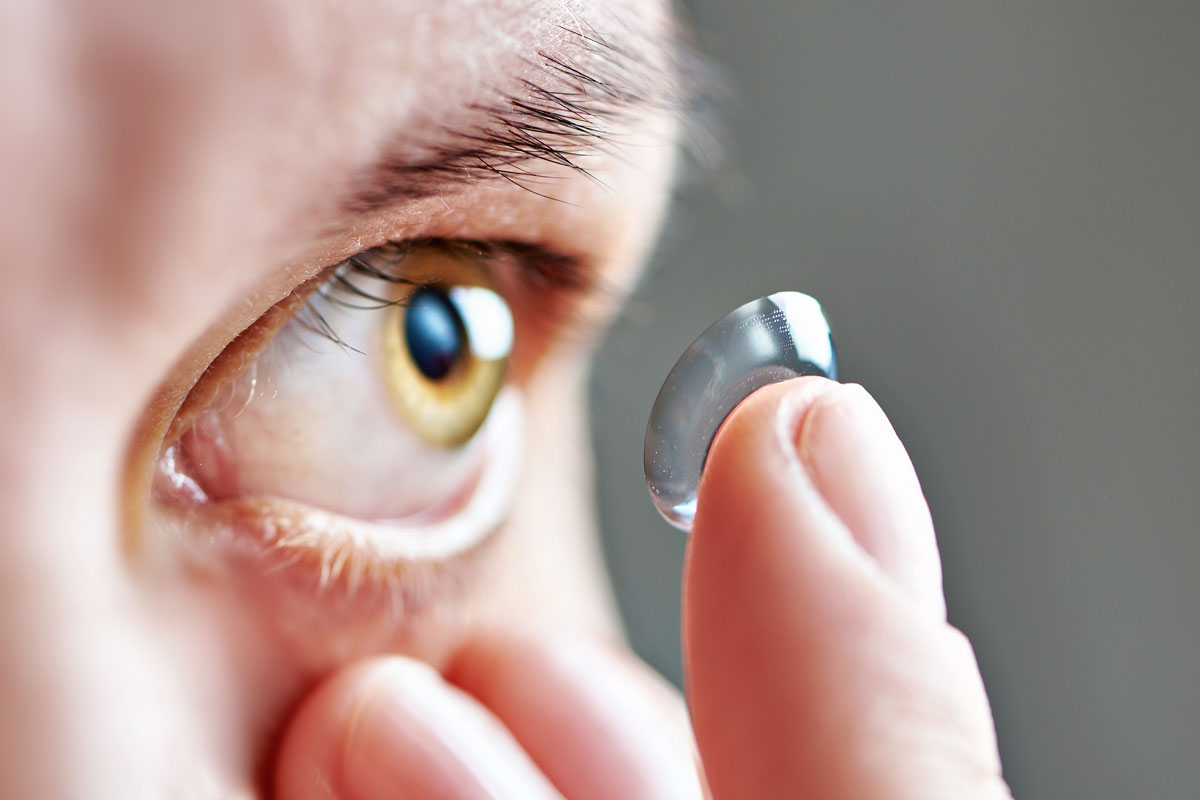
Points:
point(363, 435)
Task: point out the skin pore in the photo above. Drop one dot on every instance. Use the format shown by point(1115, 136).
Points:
point(185, 182)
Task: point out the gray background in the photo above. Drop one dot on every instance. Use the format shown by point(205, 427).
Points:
point(999, 205)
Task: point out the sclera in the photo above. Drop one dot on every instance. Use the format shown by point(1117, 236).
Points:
point(777, 337)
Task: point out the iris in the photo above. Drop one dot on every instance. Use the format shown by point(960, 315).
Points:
point(445, 344)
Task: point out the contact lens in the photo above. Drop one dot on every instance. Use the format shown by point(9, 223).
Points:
point(780, 336)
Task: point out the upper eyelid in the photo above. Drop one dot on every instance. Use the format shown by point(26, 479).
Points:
point(545, 265)
point(521, 269)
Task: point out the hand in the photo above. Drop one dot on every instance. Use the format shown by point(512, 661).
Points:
point(819, 662)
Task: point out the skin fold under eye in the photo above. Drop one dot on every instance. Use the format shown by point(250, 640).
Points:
point(373, 426)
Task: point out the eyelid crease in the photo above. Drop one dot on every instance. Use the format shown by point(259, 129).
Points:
point(549, 268)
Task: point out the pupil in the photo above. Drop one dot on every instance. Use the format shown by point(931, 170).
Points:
point(434, 333)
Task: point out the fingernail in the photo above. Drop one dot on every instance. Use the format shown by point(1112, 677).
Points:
point(858, 464)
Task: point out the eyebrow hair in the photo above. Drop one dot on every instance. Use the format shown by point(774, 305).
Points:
point(569, 111)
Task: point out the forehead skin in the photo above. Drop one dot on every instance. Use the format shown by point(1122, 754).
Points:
point(175, 168)
point(229, 132)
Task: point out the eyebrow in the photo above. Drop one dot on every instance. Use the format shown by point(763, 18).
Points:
point(571, 109)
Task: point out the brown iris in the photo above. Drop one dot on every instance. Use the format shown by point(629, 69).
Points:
point(445, 347)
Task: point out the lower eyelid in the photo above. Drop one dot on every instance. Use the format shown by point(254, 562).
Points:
point(325, 566)
point(288, 592)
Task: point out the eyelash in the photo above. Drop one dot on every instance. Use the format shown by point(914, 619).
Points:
point(541, 271)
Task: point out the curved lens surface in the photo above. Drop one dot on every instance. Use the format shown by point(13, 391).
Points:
point(772, 339)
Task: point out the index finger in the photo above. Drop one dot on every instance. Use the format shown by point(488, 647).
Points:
point(818, 660)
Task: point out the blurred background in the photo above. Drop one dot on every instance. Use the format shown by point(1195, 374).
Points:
point(998, 204)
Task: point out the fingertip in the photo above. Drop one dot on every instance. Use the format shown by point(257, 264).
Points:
point(757, 511)
point(311, 757)
point(860, 467)
point(824, 458)
point(814, 664)
point(392, 727)
point(767, 565)
point(752, 474)
point(598, 722)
